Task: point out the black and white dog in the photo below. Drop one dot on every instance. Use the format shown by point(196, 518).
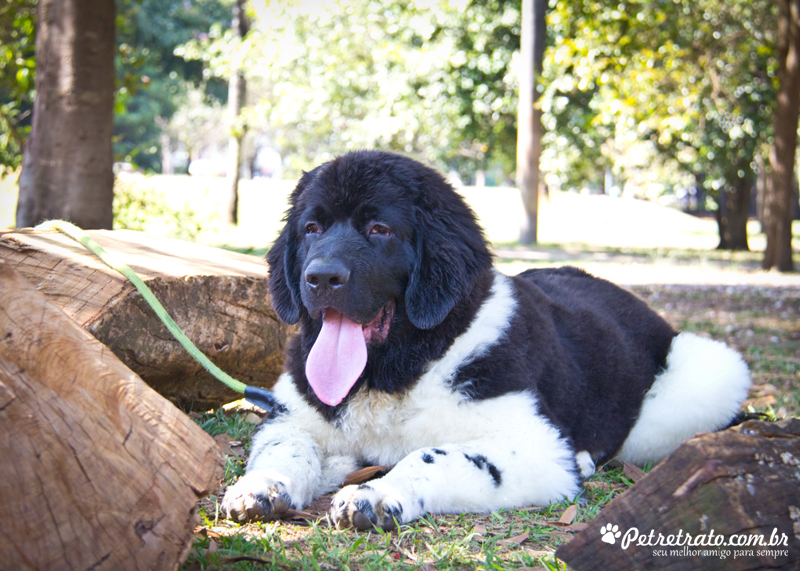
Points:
point(484, 391)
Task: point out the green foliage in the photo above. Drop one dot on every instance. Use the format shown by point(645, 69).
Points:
point(152, 80)
point(430, 79)
point(694, 78)
point(17, 70)
point(140, 206)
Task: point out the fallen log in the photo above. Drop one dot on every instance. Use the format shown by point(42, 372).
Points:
point(219, 298)
point(728, 500)
point(98, 471)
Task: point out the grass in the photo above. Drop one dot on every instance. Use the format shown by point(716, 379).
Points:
point(525, 538)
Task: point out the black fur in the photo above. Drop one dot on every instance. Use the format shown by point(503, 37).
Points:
point(481, 462)
point(588, 349)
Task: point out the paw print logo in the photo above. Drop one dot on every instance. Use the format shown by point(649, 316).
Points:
point(611, 533)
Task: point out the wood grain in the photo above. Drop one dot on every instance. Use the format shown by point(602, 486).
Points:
point(98, 471)
point(741, 481)
point(218, 298)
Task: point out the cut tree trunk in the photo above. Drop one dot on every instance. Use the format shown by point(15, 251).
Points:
point(98, 471)
point(740, 485)
point(218, 298)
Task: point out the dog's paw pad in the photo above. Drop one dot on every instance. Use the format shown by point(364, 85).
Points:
point(365, 508)
point(256, 498)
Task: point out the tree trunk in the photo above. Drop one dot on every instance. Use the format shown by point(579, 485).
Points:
point(529, 120)
point(237, 89)
point(761, 189)
point(715, 488)
point(218, 298)
point(67, 164)
point(778, 209)
point(732, 216)
point(97, 471)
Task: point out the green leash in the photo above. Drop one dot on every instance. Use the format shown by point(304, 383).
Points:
point(256, 395)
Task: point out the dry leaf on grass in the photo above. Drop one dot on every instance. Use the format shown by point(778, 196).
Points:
point(362, 475)
point(569, 515)
point(299, 515)
point(602, 486)
point(633, 472)
point(224, 443)
point(760, 401)
point(252, 418)
point(766, 389)
point(479, 530)
point(516, 540)
point(575, 527)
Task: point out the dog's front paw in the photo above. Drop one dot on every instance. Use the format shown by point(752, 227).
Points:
point(368, 506)
point(256, 496)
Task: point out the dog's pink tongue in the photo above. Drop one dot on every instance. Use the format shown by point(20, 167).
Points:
point(337, 358)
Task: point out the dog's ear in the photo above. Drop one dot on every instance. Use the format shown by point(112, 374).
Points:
point(284, 279)
point(284, 267)
point(451, 253)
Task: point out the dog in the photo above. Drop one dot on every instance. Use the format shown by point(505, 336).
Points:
point(483, 391)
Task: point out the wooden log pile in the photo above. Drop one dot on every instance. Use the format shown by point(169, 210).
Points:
point(728, 501)
point(218, 298)
point(98, 471)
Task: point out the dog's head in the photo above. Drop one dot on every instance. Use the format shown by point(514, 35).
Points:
point(369, 237)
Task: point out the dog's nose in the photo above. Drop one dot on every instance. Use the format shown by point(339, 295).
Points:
point(322, 275)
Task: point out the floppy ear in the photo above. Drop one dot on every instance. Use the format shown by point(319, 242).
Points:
point(284, 268)
point(451, 253)
point(284, 279)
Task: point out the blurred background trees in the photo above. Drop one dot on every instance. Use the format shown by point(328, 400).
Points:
point(669, 100)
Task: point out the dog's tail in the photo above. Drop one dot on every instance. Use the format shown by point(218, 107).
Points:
point(701, 390)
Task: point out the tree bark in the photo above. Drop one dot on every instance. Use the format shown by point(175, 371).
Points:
point(778, 199)
point(68, 160)
point(237, 90)
point(529, 119)
point(741, 481)
point(733, 214)
point(218, 298)
point(97, 471)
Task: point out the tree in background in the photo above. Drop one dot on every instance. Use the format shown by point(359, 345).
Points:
point(693, 78)
point(429, 79)
point(779, 200)
point(529, 123)
point(67, 164)
point(237, 91)
point(154, 82)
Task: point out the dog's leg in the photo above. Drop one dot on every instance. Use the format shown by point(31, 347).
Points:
point(478, 476)
point(283, 472)
point(286, 470)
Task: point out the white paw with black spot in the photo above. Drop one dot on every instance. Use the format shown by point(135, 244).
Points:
point(366, 507)
point(256, 496)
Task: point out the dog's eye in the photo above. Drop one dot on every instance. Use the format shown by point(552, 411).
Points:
point(312, 228)
point(379, 229)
